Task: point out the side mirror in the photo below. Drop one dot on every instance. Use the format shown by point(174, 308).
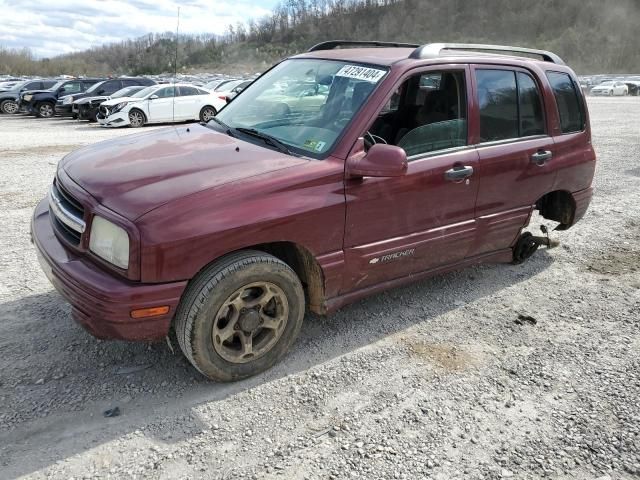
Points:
point(381, 160)
point(153, 97)
point(100, 92)
point(62, 90)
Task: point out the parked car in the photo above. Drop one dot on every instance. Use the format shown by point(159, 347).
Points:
point(610, 88)
point(228, 231)
point(64, 105)
point(87, 108)
point(9, 84)
point(41, 103)
point(212, 85)
point(158, 104)
point(634, 87)
point(236, 90)
point(9, 99)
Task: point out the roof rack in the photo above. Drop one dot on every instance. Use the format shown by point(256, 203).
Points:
point(432, 50)
point(332, 44)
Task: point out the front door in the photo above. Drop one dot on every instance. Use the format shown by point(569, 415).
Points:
point(424, 219)
point(162, 109)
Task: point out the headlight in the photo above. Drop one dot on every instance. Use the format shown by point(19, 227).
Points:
point(67, 100)
point(27, 98)
point(110, 242)
point(119, 107)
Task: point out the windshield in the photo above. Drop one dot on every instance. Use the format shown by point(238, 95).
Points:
point(126, 92)
point(226, 86)
point(58, 85)
point(95, 87)
point(304, 103)
point(145, 91)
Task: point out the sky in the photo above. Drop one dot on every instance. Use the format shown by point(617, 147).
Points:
point(54, 27)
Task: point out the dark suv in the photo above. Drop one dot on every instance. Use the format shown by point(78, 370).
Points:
point(416, 161)
point(42, 103)
point(9, 99)
point(64, 105)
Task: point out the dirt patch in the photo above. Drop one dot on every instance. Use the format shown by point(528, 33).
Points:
point(448, 357)
point(616, 262)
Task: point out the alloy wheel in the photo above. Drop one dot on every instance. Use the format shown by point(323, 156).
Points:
point(46, 110)
point(208, 114)
point(250, 322)
point(10, 107)
point(136, 119)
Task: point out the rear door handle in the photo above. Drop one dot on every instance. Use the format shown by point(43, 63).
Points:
point(541, 157)
point(458, 173)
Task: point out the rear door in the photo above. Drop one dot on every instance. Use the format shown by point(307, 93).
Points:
point(424, 219)
point(516, 153)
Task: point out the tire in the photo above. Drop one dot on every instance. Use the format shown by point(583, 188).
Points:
point(524, 248)
point(207, 113)
point(136, 118)
point(74, 116)
point(45, 110)
point(9, 107)
point(206, 334)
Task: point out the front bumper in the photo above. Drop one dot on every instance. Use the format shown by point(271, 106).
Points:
point(119, 119)
point(87, 112)
point(101, 302)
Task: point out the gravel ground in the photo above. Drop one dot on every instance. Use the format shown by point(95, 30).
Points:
point(435, 380)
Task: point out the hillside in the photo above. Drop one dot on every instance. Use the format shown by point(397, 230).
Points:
point(593, 36)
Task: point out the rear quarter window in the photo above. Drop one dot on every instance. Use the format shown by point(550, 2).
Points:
point(569, 102)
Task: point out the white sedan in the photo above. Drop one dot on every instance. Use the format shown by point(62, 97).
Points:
point(159, 104)
point(610, 88)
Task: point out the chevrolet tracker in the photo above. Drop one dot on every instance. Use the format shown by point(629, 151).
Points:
point(391, 163)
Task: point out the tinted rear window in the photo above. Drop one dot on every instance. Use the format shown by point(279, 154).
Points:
point(568, 101)
point(498, 102)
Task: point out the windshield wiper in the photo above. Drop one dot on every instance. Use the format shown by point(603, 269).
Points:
point(268, 139)
point(226, 127)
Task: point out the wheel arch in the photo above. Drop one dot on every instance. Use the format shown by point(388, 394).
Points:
point(558, 206)
point(301, 261)
point(144, 114)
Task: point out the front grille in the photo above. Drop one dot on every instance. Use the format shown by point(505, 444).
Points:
point(67, 214)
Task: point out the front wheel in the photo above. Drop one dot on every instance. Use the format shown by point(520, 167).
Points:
point(45, 110)
point(240, 315)
point(136, 118)
point(207, 113)
point(9, 106)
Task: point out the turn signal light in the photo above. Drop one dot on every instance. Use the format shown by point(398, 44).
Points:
point(149, 312)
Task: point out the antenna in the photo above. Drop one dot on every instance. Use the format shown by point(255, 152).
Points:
point(175, 70)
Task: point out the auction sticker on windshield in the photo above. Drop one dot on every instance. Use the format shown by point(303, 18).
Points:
point(361, 73)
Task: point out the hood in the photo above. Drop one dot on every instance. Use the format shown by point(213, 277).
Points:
point(115, 101)
point(90, 99)
point(33, 92)
point(134, 174)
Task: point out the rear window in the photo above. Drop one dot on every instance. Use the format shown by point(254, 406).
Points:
point(569, 103)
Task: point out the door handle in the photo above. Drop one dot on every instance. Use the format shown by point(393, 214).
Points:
point(458, 173)
point(541, 157)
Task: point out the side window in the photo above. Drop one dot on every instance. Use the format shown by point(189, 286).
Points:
point(131, 83)
point(188, 91)
point(72, 87)
point(426, 114)
point(568, 101)
point(165, 92)
point(498, 103)
point(531, 117)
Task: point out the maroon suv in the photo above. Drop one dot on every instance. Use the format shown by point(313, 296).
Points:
point(341, 172)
